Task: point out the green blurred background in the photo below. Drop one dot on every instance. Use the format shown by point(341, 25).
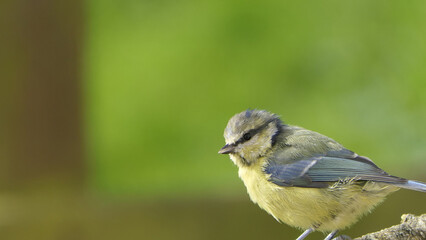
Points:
point(112, 112)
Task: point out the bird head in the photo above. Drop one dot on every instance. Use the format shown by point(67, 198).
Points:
point(249, 136)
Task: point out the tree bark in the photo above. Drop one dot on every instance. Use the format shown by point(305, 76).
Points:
point(411, 228)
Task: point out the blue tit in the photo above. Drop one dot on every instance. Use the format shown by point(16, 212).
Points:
point(303, 178)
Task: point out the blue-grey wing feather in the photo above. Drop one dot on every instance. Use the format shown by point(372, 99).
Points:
point(319, 171)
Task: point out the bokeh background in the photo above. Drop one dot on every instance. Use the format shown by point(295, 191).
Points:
point(112, 112)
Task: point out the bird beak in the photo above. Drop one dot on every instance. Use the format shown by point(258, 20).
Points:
point(228, 148)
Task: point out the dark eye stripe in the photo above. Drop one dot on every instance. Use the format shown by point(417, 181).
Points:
point(253, 132)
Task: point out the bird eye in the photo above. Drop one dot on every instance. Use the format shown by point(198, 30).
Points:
point(247, 136)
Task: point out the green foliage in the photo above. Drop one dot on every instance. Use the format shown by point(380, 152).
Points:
point(164, 77)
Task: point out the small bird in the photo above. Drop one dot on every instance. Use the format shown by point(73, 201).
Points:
point(303, 178)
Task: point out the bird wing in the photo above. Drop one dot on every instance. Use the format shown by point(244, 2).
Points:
point(319, 171)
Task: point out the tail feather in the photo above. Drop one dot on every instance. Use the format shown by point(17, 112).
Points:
point(413, 185)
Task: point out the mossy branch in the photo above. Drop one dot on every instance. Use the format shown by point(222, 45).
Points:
point(411, 228)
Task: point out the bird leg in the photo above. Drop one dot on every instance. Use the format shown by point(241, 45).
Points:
point(305, 233)
point(331, 235)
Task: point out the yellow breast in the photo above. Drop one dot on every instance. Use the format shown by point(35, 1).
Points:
point(325, 209)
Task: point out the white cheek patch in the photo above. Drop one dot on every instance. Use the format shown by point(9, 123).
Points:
point(272, 130)
point(265, 141)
